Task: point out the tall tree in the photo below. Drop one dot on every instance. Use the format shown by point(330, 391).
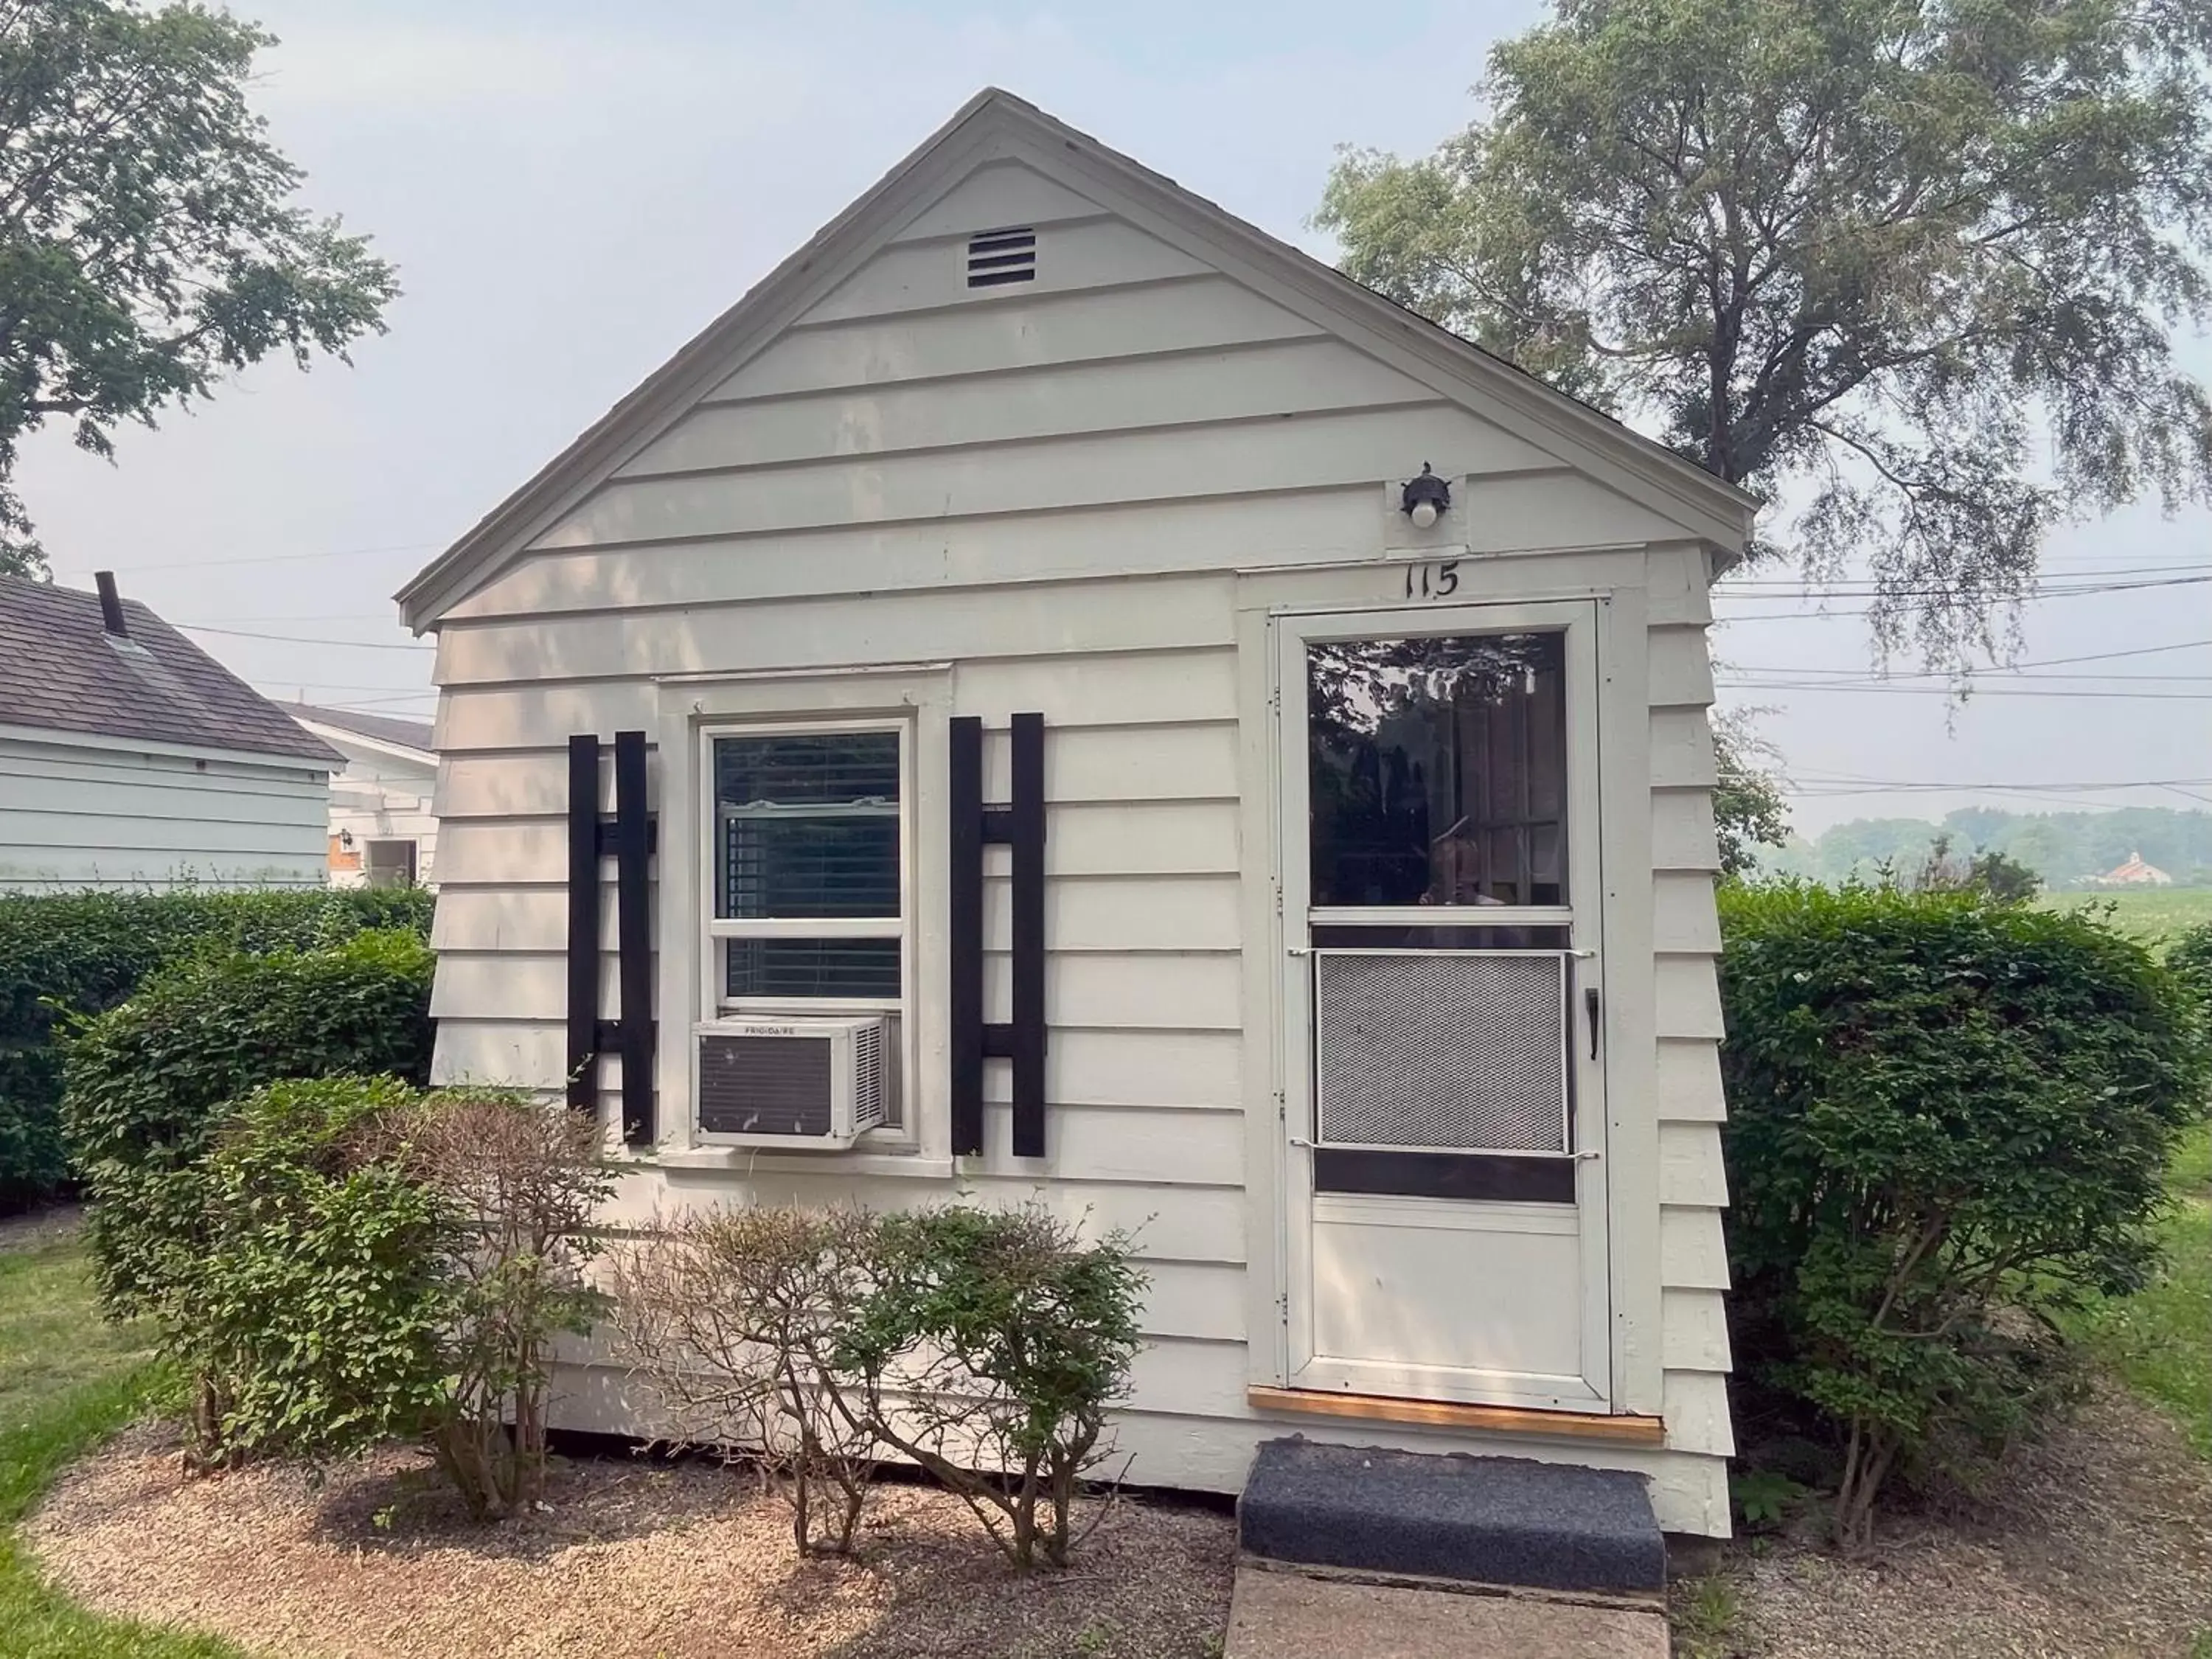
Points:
point(1918, 264)
point(149, 241)
point(1750, 811)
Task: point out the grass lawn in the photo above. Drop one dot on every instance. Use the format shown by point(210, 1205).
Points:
point(67, 1381)
point(2159, 1340)
point(2151, 914)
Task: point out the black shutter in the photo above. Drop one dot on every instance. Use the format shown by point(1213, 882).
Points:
point(1023, 1039)
point(630, 838)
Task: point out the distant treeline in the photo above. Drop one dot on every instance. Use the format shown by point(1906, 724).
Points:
point(2067, 849)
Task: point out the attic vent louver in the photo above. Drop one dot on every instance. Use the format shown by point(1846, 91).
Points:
point(998, 257)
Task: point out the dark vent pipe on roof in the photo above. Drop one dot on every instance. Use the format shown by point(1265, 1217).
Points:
point(111, 604)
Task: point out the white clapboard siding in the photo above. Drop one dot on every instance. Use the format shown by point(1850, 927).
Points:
point(1164, 613)
point(44, 802)
point(1120, 688)
point(529, 715)
point(1298, 523)
point(1193, 760)
point(1697, 1412)
point(1029, 331)
point(1686, 999)
point(1177, 1222)
point(1273, 379)
point(1051, 473)
point(75, 815)
point(1004, 193)
point(1165, 991)
point(1208, 1452)
point(1694, 1331)
point(1692, 1253)
point(1120, 914)
point(1130, 838)
point(1682, 836)
point(916, 276)
point(1690, 1168)
point(1684, 920)
point(1689, 1078)
point(1681, 668)
point(1167, 1067)
point(1681, 749)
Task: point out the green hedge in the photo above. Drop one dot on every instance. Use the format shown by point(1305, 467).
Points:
point(73, 954)
point(148, 1081)
point(1949, 1119)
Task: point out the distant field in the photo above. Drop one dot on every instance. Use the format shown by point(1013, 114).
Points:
point(2153, 913)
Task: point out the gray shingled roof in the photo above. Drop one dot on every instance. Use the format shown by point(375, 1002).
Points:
point(59, 671)
point(408, 734)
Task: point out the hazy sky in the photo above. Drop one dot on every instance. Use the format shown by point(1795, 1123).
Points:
point(571, 190)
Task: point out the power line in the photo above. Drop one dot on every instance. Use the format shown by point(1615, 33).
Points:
point(2079, 590)
point(279, 558)
point(1729, 584)
point(1940, 692)
point(294, 639)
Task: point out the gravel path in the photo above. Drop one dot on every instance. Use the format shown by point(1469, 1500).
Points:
point(2098, 1546)
point(635, 1560)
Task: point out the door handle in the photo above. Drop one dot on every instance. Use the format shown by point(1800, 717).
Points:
point(1589, 1007)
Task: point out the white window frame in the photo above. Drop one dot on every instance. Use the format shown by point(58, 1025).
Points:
point(912, 698)
point(717, 930)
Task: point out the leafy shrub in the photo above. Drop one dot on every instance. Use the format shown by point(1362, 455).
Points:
point(312, 1314)
point(1947, 1121)
point(732, 1319)
point(147, 1081)
point(70, 955)
point(1006, 1340)
point(2191, 957)
point(520, 1181)
point(376, 1262)
point(986, 1347)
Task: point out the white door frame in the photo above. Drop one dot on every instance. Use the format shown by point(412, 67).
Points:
point(1592, 1389)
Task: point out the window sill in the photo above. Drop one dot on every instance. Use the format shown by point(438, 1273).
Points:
point(749, 1160)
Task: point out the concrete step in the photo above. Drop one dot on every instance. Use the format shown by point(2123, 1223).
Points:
point(1508, 1521)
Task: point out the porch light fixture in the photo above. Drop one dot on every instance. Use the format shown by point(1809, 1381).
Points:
point(345, 839)
point(1424, 498)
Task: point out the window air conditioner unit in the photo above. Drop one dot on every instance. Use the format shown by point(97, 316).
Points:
point(811, 1084)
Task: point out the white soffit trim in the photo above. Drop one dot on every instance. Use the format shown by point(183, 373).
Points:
point(995, 125)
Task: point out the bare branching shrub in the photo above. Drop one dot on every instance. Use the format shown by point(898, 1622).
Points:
point(732, 1320)
point(521, 1181)
point(990, 1349)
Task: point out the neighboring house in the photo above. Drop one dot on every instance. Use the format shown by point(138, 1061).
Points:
point(1343, 691)
point(382, 833)
point(2134, 873)
point(129, 757)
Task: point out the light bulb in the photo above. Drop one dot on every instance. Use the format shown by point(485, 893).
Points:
point(1424, 515)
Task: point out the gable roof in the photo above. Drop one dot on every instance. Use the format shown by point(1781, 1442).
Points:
point(63, 673)
point(380, 728)
point(995, 126)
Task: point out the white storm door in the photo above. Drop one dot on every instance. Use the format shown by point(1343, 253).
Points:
point(1443, 997)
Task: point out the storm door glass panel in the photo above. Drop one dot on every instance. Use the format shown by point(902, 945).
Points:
point(807, 830)
point(1438, 770)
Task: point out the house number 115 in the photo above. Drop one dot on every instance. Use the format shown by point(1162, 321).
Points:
point(1433, 581)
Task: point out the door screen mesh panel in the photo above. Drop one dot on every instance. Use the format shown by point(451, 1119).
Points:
point(1464, 1052)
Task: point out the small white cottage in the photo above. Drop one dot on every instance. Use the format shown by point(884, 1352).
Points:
point(382, 832)
point(1105, 709)
point(130, 758)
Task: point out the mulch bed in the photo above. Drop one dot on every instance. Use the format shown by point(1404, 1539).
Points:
point(629, 1560)
point(2096, 1544)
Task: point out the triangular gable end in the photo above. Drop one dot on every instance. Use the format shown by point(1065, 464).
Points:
point(1004, 159)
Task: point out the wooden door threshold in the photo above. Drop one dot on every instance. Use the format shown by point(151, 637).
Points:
point(1447, 1414)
